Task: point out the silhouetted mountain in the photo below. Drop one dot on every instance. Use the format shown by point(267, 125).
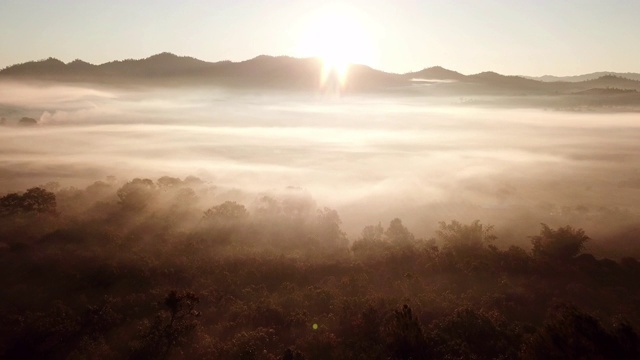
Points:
point(435, 73)
point(361, 77)
point(605, 91)
point(160, 65)
point(267, 71)
point(283, 72)
point(495, 78)
point(611, 81)
point(585, 77)
point(491, 83)
point(261, 71)
point(36, 69)
point(79, 65)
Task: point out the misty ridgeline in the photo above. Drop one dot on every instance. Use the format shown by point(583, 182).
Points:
point(171, 269)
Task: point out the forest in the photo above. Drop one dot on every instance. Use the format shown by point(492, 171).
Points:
point(152, 269)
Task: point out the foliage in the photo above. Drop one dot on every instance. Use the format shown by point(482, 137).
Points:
point(149, 269)
point(571, 334)
point(34, 200)
point(471, 334)
point(463, 239)
point(404, 336)
point(372, 232)
point(227, 211)
point(560, 244)
point(398, 233)
point(136, 194)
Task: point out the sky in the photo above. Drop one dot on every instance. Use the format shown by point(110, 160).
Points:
point(534, 37)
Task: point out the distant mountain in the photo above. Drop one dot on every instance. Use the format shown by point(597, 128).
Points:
point(164, 64)
point(288, 73)
point(612, 81)
point(605, 91)
point(262, 71)
point(435, 73)
point(36, 69)
point(498, 79)
point(585, 77)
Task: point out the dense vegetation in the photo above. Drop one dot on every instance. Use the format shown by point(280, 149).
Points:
point(149, 270)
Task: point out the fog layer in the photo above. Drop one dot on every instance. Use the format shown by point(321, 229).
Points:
point(371, 158)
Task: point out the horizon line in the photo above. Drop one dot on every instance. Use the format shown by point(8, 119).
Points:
point(311, 57)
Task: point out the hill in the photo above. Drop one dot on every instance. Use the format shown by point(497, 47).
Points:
point(584, 77)
point(435, 73)
point(289, 73)
point(261, 71)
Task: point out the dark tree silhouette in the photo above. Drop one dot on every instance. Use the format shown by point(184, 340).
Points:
point(34, 200)
point(136, 194)
point(164, 334)
point(470, 334)
point(561, 244)
point(404, 336)
point(227, 211)
point(465, 238)
point(39, 200)
point(572, 334)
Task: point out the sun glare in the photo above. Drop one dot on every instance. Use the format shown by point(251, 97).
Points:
point(338, 37)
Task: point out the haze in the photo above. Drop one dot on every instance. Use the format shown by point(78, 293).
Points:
point(370, 157)
point(313, 180)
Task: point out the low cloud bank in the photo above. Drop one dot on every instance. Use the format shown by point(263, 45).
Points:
point(370, 158)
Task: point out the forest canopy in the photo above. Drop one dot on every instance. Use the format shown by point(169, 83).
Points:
point(164, 269)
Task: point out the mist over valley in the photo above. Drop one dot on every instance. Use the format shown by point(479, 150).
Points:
point(372, 157)
point(279, 208)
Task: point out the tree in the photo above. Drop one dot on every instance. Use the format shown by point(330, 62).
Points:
point(372, 232)
point(39, 200)
point(396, 232)
point(571, 334)
point(465, 238)
point(166, 182)
point(167, 332)
point(136, 194)
point(564, 243)
point(34, 200)
point(472, 334)
point(227, 211)
point(404, 336)
point(10, 204)
point(328, 227)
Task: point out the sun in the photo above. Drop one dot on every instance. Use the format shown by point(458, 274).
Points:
point(339, 38)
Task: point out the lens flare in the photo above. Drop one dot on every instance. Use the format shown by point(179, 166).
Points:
point(339, 38)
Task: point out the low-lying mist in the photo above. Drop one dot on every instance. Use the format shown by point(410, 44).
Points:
point(372, 158)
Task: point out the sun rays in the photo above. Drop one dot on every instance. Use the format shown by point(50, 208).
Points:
point(339, 37)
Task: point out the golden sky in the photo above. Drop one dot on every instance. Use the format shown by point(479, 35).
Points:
point(512, 37)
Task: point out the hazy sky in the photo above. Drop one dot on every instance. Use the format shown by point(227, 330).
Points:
point(533, 37)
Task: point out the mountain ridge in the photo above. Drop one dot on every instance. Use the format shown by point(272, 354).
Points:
point(288, 72)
